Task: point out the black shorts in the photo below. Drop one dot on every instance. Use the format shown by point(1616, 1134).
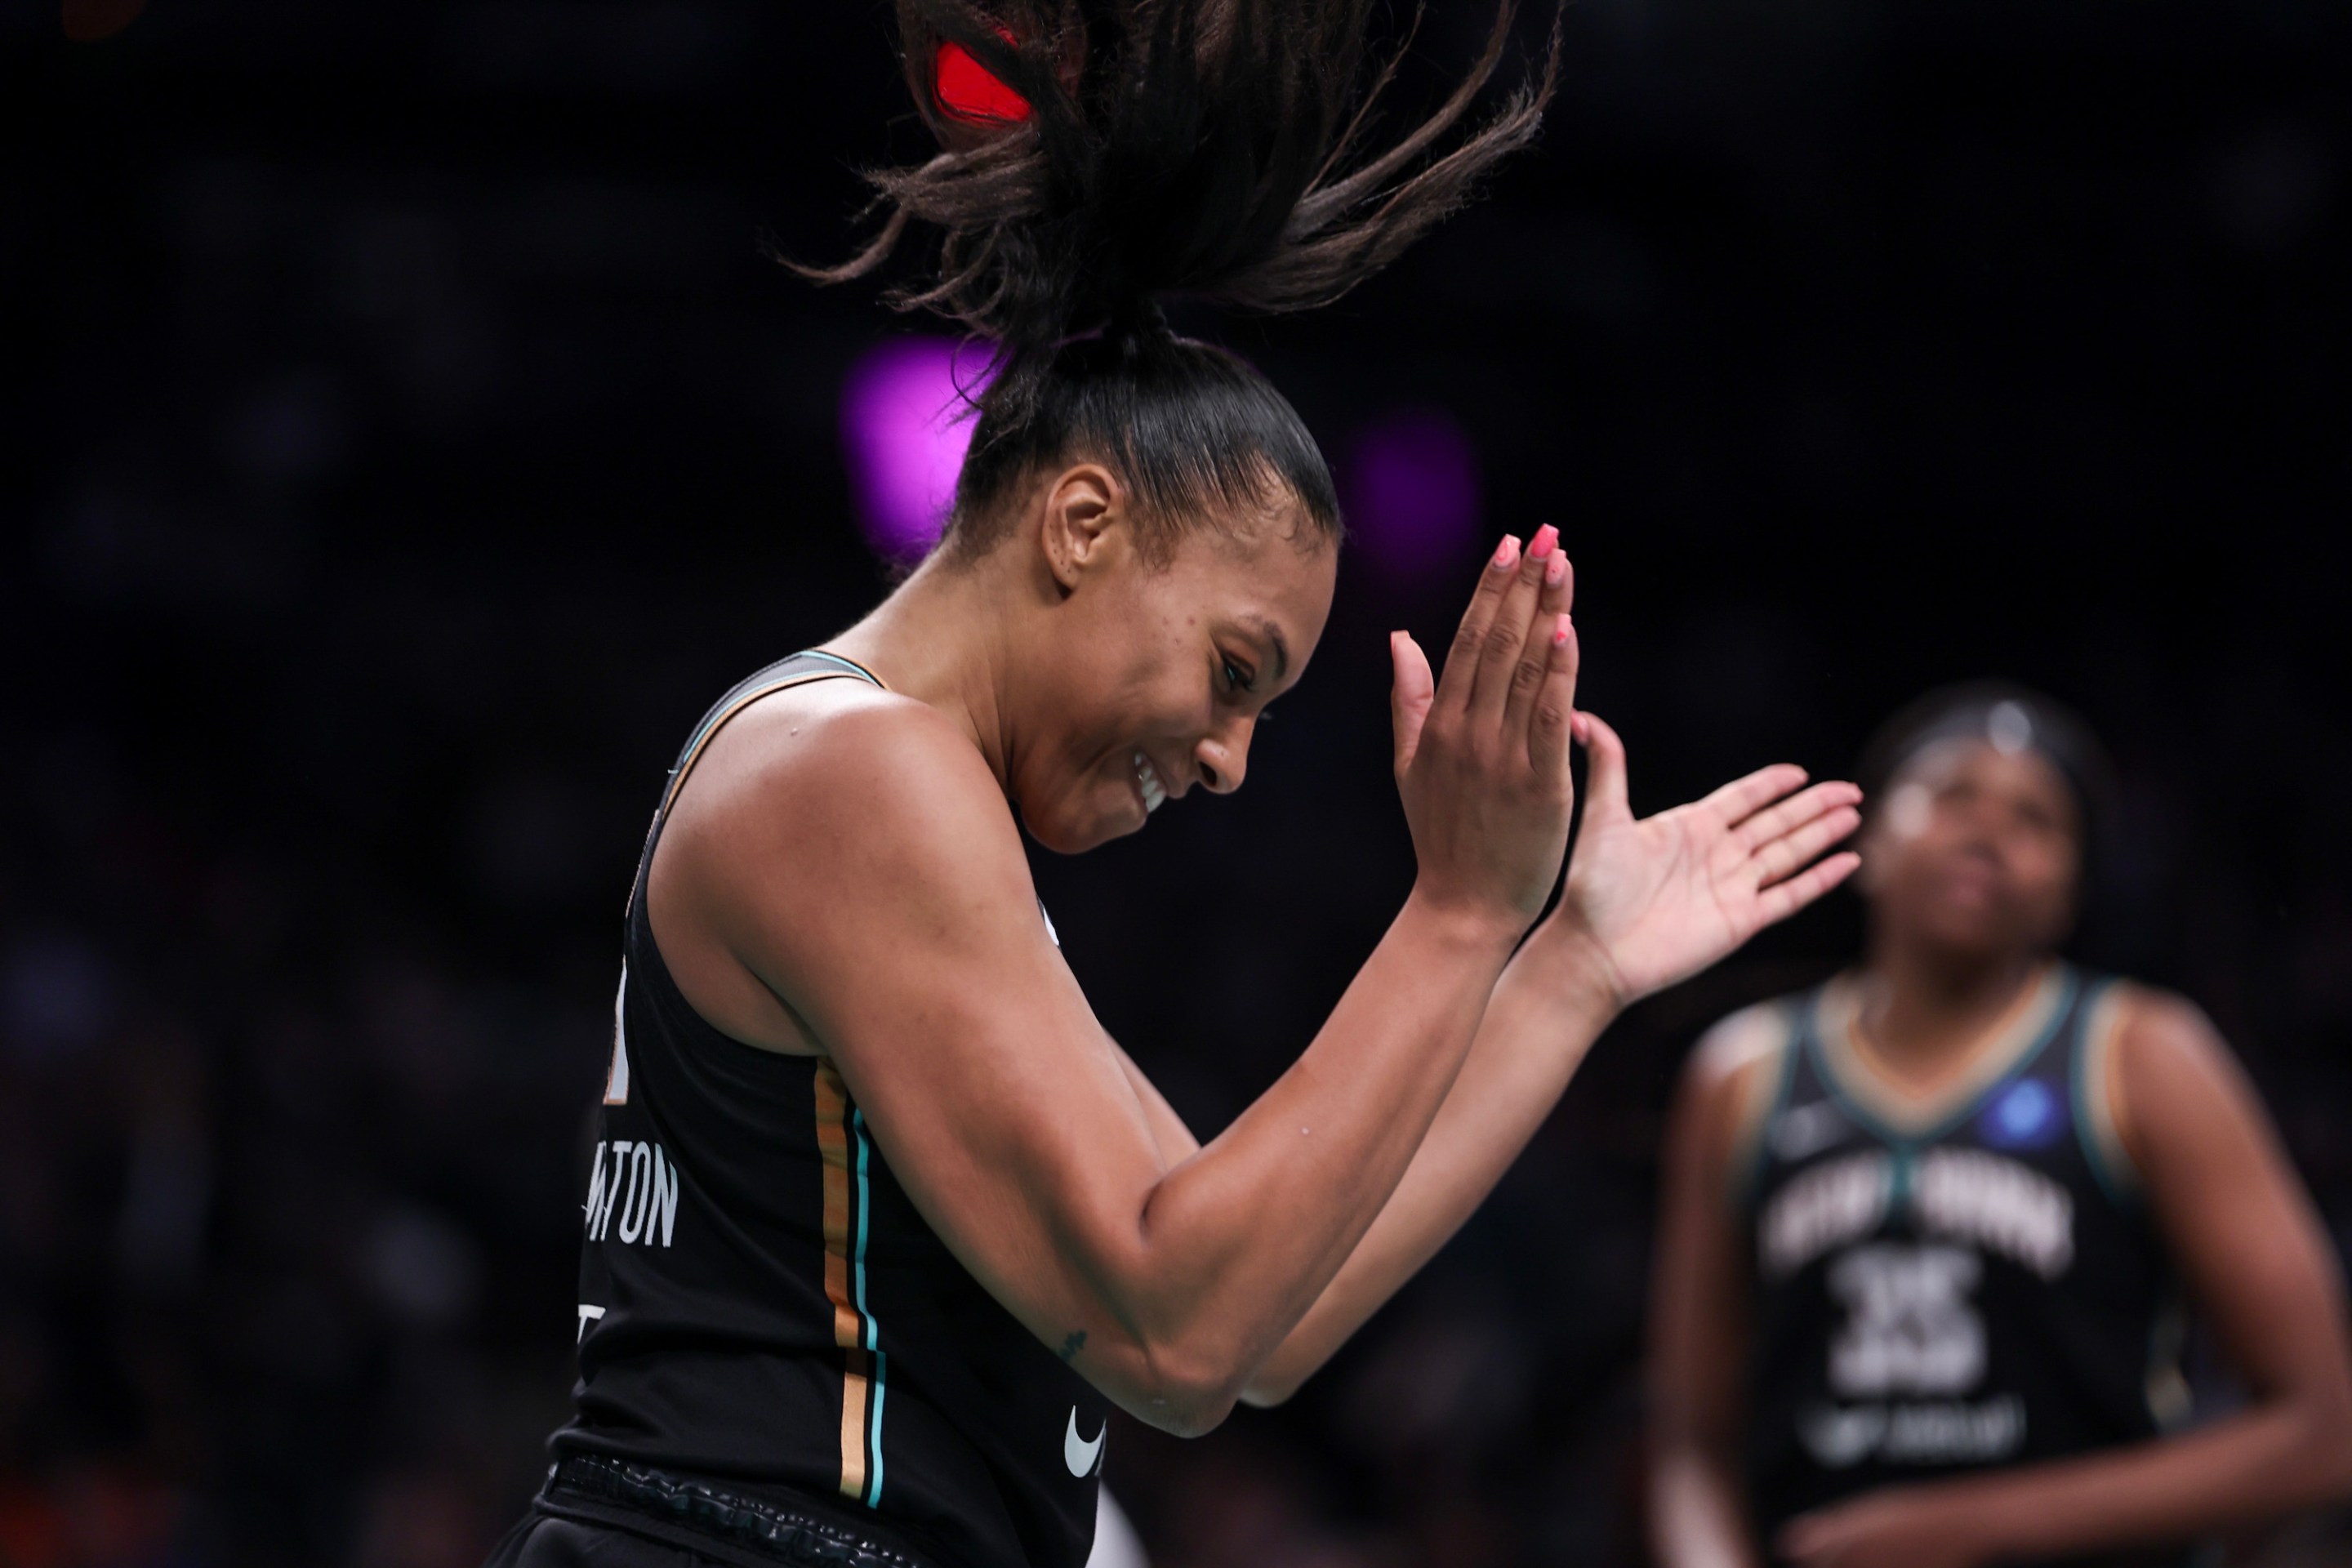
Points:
point(595, 1513)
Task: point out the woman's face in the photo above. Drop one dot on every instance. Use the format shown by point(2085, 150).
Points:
point(1149, 676)
point(1975, 850)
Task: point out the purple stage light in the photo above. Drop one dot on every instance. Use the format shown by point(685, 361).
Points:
point(1411, 487)
point(904, 428)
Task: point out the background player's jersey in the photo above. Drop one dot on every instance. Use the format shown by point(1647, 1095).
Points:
point(1947, 1288)
point(760, 1303)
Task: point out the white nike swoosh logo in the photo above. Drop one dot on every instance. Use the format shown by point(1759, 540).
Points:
point(1081, 1455)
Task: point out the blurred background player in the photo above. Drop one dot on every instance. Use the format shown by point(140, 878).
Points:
point(1925, 1227)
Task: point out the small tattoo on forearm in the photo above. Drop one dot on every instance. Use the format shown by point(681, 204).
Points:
point(1074, 1344)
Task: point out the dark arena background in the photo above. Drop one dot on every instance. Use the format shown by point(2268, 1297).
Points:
point(405, 436)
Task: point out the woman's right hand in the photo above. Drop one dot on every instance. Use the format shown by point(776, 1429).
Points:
point(1482, 751)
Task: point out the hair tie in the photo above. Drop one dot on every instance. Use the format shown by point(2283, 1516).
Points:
point(969, 92)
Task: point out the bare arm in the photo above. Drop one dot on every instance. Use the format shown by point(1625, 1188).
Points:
point(1546, 1009)
point(1698, 1307)
point(862, 864)
point(1169, 1134)
point(1648, 904)
point(2243, 1233)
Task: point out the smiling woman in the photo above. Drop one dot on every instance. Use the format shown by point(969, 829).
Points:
point(921, 1222)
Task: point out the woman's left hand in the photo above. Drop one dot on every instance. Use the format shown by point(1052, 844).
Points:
point(1898, 1526)
point(1660, 898)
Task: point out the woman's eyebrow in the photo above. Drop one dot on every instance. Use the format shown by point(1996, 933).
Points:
point(1272, 634)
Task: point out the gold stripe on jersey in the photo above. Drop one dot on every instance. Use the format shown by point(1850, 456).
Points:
point(833, 1143)
point(2096, 1090)
point(1906, 1112)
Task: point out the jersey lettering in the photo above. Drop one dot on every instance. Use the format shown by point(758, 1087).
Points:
point(1962, 1195)
point(1830, 1204)
point(640, 1184)
point(1944, 1432)
point(1911, 1326)
point(1998, 1203)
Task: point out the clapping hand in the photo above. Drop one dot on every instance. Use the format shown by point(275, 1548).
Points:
point(1482, 751)
point(1656, 900)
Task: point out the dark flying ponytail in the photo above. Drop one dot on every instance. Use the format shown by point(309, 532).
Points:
point(1142, 150)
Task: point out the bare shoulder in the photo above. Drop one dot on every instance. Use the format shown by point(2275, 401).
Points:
point(1741, 1045)
point(2173, 1082)
point(844, 741)
point(838, 768)
point(1731, 1075)
point(2152, 1019)
point(833, 820)
point(2165, 1047)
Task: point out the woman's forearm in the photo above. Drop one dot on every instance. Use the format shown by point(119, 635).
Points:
point(1242, 1238)
point(2257, 1464)
point(1551, 1002)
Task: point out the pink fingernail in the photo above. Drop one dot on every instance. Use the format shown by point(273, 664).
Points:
point(1545, 537)
point(1555, 570)
point(1507, 554)
point(1559, 632)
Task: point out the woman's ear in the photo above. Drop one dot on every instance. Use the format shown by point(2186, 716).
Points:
point(1083, 508)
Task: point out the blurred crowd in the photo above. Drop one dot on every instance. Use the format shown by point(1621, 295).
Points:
point(405, 438)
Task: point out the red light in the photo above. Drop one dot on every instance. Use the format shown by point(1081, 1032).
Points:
point(973, 93)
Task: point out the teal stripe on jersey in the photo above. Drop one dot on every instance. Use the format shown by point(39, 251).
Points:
point(873, 1335)
point(2086, 1131)
point(2060, 1015)
point(874, 1487)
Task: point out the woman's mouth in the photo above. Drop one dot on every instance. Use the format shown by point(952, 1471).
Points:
point(1148, 784)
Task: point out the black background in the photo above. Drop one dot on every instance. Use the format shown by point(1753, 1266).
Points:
point(403, 438)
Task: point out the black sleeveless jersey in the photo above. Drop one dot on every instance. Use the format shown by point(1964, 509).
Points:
point(761, 1305)
point(1934, 1297)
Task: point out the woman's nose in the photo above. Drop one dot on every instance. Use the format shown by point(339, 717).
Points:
point(1223, 758)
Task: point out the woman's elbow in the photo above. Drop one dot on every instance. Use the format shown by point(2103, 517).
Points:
point(1182, 1410)
point(1186, 1391)
point(1264, 1394)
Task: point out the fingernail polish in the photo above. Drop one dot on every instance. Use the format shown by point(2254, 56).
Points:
point(1555, 569)
point(1559, 632)
point(1545, 537)
point(1507, 554)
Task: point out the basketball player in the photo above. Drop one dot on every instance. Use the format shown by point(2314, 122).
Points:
point(1923, 1224)
point(879, 1223)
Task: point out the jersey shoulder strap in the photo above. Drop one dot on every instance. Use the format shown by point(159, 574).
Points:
point(1771, 1040)
point(2091, 1074)
point(792, 669)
